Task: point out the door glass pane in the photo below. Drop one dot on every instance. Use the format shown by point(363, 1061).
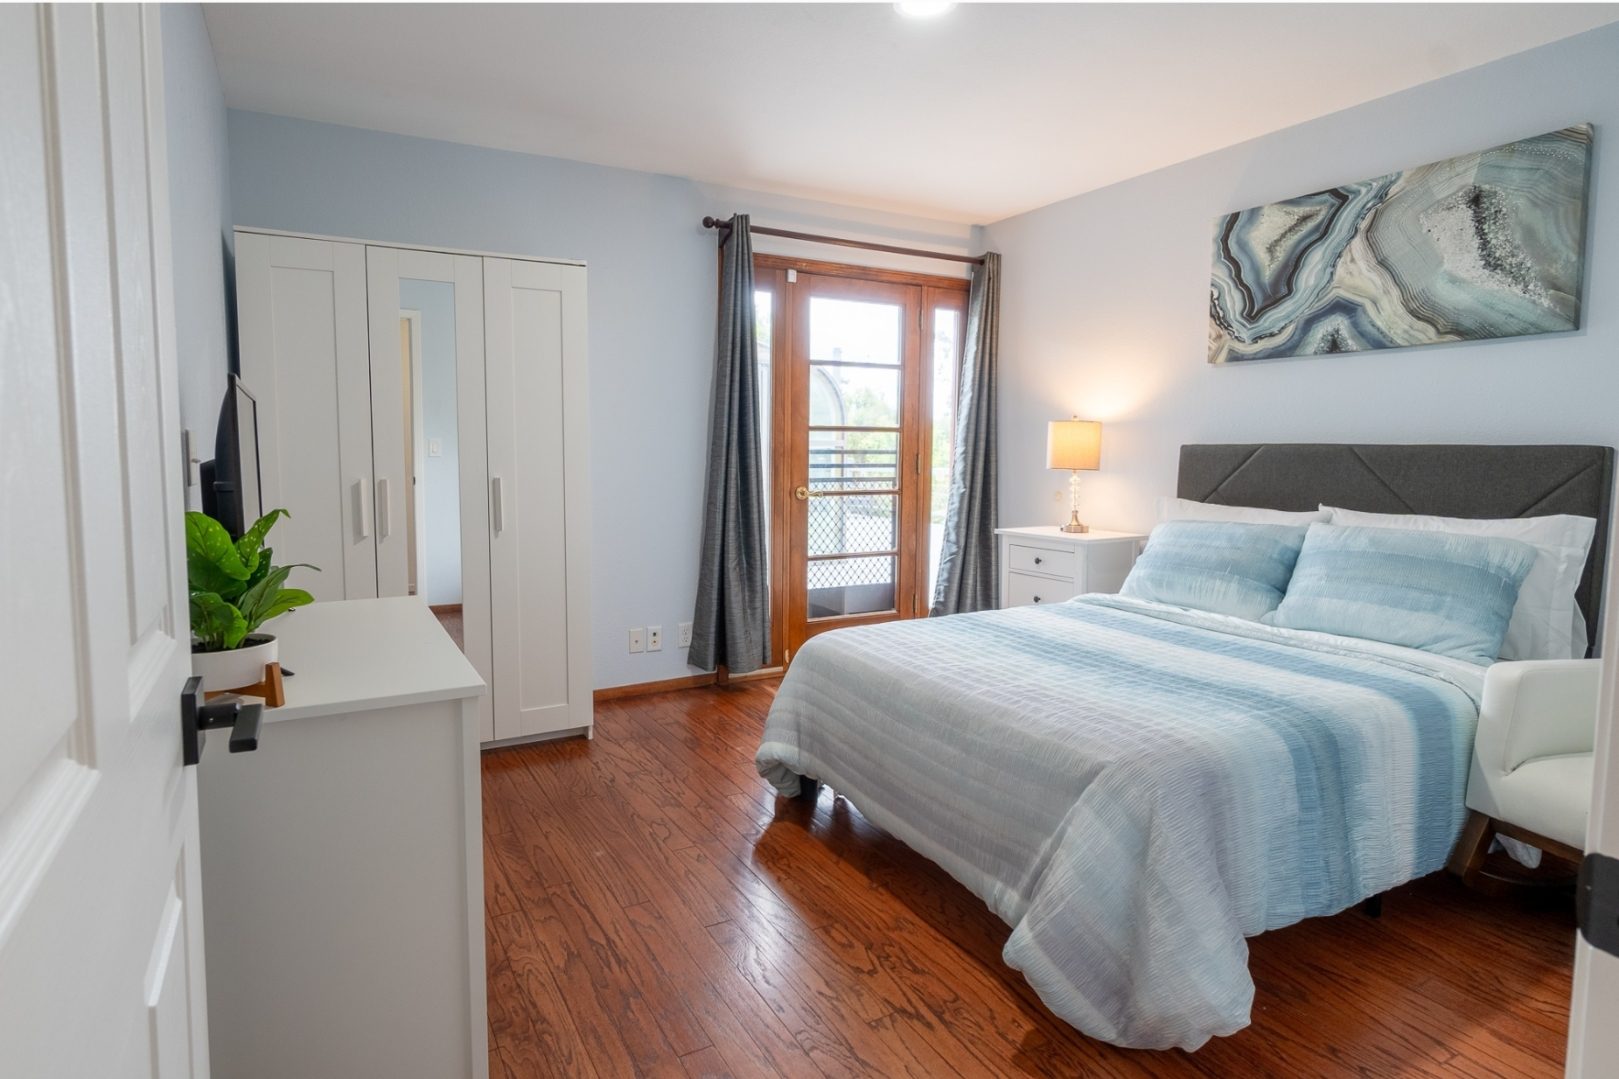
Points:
point(946, 350)
point(853, 460)
point(842, 586)
point(852, 524)
point(432, 447)
point(853, 396)
point(854, 331)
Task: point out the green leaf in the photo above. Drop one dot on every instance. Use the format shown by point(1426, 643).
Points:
point(247, 548)
point(217, 624)
point(212, 562)
point(284, 601)
point(261, 595)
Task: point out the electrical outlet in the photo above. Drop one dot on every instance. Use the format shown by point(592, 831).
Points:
point(685, 634)
point(637, 640)
point(654, 638)
point(1058, 495)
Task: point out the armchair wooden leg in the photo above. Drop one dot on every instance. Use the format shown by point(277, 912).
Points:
point(1474, 844)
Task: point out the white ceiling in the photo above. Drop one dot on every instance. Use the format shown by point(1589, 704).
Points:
point(987, 111)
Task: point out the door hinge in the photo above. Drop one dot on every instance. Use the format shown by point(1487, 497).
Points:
point(1596, 902)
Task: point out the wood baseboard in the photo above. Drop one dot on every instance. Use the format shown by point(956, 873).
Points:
point(690, 681)
point(641, 689)
point(723, 677)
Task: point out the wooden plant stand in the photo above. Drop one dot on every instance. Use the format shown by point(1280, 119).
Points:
point(271, 688)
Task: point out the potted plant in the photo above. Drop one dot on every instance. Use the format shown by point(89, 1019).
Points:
point(235, 589)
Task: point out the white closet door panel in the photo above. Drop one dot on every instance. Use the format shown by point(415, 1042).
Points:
point(471, 395)
point(391, 470)
point(301, 308)
point(535, 325)
point(387, 269)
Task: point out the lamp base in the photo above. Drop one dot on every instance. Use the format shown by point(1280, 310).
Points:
point(1075, 524)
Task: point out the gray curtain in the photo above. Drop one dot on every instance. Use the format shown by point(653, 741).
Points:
point(731, 625)
point(967, 577)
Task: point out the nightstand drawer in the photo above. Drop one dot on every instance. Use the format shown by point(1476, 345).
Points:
point(1052, 561)
point(1023, 589)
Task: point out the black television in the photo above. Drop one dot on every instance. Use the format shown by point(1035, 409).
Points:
point(231, 489)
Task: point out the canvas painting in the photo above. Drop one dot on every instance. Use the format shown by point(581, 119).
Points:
point(1480, 246)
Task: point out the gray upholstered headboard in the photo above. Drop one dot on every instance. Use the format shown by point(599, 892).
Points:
point(1449, 481)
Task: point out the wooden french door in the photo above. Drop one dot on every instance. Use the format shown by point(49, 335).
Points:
point(855, 389)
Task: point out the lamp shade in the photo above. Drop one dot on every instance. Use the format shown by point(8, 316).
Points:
point(1074, 444)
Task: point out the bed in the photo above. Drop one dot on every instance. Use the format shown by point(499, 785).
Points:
point(1136, 788)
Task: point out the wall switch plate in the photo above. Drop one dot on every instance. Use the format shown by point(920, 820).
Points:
point(685, 634)
point(637, 640)
point(435, 447)
point(654, 638)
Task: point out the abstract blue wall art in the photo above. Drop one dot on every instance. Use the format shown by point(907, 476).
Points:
point(1485, 245)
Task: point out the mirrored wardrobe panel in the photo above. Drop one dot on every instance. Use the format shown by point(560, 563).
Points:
point(427, 420)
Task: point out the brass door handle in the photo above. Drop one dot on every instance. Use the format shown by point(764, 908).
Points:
point(801, 493)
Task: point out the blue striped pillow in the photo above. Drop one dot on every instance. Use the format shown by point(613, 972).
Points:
point(1438, 591)
point(1220, 566)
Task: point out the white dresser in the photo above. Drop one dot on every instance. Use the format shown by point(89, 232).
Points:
point(342, 860)
point(1044, 564)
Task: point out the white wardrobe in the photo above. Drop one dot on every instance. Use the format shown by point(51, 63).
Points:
point(422, 416)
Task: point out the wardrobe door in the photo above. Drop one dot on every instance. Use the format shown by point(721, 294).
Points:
point(534, 318)
point(428, 439)
point(301, 318)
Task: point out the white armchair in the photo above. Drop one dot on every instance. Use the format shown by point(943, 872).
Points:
point(1532, 760)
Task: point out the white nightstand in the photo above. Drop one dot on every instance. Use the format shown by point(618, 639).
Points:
point(1044, 564)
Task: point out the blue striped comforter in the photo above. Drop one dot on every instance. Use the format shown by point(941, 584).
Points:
point(1137, 788)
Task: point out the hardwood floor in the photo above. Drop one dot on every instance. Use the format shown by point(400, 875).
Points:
point(653, 909)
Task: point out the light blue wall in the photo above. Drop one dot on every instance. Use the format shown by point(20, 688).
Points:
point(1105, 308)
point(440, 489)
point(200, 219)
point(652, 282)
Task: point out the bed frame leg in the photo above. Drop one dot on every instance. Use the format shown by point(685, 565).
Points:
point(1373, 907)
point(808, 789)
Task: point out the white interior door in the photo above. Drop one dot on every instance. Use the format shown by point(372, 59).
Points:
point(101, 969)
point(441, 422)
point(1593, 1036)
point(539, 538)
point(301, 319)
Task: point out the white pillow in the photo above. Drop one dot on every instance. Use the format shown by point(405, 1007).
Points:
point(1546, 622)
point(1185, 509)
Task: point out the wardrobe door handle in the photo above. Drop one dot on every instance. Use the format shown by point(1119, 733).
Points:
point(362, 510)
point(497, 503)
point(384, 510)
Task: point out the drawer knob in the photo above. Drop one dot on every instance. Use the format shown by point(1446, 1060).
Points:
point(1038, 560)
point(1037, 599)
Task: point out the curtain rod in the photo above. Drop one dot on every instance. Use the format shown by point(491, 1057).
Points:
point(760, 230)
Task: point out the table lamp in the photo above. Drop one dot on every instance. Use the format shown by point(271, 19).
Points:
point(1076, 445)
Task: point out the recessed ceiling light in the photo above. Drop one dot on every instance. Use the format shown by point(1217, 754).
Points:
point(922, 9)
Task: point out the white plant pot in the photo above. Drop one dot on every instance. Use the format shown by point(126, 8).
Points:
point(236, 668)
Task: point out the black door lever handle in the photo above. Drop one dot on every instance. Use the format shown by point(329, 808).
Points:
point(198, 716)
